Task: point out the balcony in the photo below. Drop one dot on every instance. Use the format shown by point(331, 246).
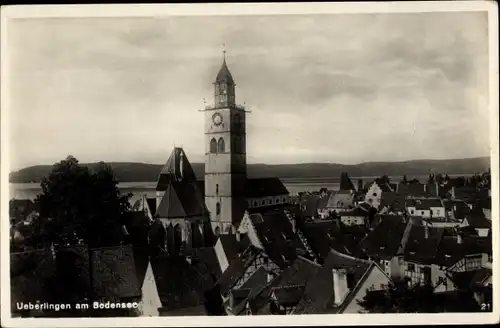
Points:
point(221, 106)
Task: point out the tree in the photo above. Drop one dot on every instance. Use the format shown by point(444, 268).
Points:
point(400, 297)
point(79, 205)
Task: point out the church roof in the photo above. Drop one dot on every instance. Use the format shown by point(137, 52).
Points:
point(181, 199)
point(177, 168)
point(263, 187)
point(224, 76)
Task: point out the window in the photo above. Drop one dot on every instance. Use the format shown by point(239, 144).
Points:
point(411, 267)
point(217, 231)
point(263, 202)
point(217, 188)
point(412, 212)
point(277, 200)
point(432, 212)
point(374, 194)
point(213, 146)
point(217, 208)
point(255, 203)
point(269, 201)
point(221, 146)
point(422, 212)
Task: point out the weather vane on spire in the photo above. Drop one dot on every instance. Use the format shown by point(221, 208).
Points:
point(224, 50)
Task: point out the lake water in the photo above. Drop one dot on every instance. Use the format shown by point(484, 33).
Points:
point(30, 190)
point(294, 186)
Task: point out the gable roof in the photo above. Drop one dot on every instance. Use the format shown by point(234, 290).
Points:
point(179, 284)
point(323, 236)
point(310, 206)
point(181, 200)
point(450, 251)
point(420, 249)
point(236, 269)
point(208, 257)
point(394, 200)
point(264, 187)
point(412, 189)
point(427, 203)
point(276, 235)
point(343, 199)
point(319, 296)
point(176, 169)
point(384, 241)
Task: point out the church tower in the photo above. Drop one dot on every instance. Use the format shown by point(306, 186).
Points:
point(225, 155)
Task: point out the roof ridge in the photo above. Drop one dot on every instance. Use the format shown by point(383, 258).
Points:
point(349, 256)
point(307, 260)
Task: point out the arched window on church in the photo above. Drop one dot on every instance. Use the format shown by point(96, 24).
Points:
point(217, 188)
point(217, 208)
point(213, 146)
point(221, 147)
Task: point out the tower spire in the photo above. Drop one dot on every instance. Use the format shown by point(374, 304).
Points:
point(224, 51)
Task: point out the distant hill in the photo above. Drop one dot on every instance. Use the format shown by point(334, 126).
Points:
point(140, 172)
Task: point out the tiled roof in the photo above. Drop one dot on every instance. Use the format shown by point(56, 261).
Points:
point(393, 200)
point(176, 169)
point(420, 249)
point(257, 279)
point(232, 247)
point(275, 232)
point(323, 236)
point(480, 276)
point(179, 284)
point(298, 273)
point(384, 241)
point(32, 277)
point(450, 251)
point(114, 273)
point(236, 269)
point(319, 296)
point(311, 206)
point(263, 187)
point(427, 203)
point(288, 296)
point(354, 212)
point(181, 200)
point(207, 256)
point(341, 199)
point(412, 189)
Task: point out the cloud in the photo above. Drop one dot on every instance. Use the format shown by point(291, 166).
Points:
point(338, 88)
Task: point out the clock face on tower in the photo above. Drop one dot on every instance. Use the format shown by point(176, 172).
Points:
point(217, 119)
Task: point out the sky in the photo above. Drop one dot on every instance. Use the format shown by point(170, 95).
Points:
point(341, 88)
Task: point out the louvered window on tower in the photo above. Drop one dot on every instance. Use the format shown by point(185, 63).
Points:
point(217, 208)
point(221, 146)
point(213, 146)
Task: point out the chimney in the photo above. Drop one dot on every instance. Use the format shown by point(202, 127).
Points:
point(340, 289)
point(360, 184)
point(459, 238)
point(426, 230)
